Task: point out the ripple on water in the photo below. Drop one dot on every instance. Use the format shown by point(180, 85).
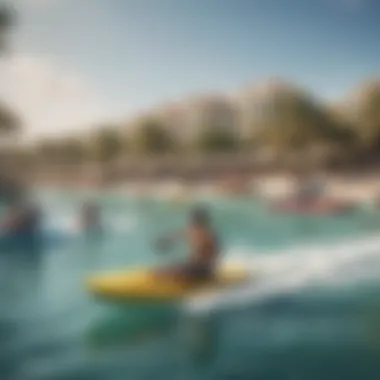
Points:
point(47, 330)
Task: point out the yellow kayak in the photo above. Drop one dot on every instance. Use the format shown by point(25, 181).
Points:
point(143, 285)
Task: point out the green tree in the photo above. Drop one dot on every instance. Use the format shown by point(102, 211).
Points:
point(64, 151)
point(216, 140)
point(365, 117)
point(151, 137)
point(48, 151)
point(107, 144)
point(71, 150)
point(295, 120)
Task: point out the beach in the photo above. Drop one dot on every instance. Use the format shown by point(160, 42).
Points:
point(343, 187)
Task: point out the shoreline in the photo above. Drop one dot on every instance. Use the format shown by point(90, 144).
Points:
point(268, 186)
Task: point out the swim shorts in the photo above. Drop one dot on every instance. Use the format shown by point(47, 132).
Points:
point(195, 271)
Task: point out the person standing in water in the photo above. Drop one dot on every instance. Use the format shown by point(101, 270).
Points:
point(22, 225)
point(204, 248)
point(90, 220)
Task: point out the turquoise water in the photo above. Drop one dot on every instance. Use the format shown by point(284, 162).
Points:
point(311, 314)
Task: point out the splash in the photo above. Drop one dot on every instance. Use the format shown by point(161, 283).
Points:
point(286, 271)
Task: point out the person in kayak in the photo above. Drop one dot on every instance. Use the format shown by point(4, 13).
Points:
point(204, 249)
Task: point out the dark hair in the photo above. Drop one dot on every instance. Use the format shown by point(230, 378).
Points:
point(200, 216)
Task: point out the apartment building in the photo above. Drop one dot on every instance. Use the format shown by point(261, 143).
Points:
point(188, 118)
point(257, 103)
point(237, 113)
point(216, 112)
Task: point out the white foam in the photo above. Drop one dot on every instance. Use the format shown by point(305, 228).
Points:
point(286, 271)
point(67, 223)
point(62, 224)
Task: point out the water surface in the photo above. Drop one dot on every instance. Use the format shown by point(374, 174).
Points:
point(314, 316)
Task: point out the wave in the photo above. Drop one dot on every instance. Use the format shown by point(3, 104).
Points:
point(67, 224)
point(61, 223)
point(286, 271)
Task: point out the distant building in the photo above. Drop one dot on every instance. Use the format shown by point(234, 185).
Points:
point(249, 110)
point(353, 103)
point(212, 112)
point(239, 113)
point(188, 118)
point(174, 118)
point(258, 103)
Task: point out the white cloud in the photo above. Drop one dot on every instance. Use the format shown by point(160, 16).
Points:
point(51, 100)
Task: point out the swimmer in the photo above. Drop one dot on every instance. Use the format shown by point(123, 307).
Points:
point(22, 225)
point(204, 249)
point(22, 218)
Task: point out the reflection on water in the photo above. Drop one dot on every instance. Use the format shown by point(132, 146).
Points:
point(126, 325)
point(202, 339)
point(19, 273)
point(195, 338)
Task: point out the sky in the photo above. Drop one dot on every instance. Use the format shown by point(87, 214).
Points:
point(76, 64)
